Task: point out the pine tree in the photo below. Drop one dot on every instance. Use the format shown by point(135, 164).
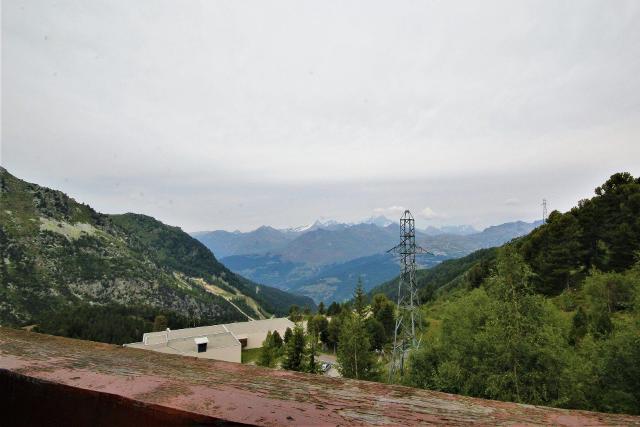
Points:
point(321, 308)
point(160, 323)
point(355, 358)
point(287, 335)
point(295, 350)
point(333, 332)
point(579, 326)
point(311, 352)
point(384, 311)
point(268, 353)
point(359, 300)
point(377, 335)
point(277, 340)
point(294, 313)
point(334, 309)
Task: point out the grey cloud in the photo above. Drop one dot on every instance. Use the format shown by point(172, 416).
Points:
point(237, 114)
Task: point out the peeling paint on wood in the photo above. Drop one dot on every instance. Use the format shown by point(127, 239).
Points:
point(187, 390)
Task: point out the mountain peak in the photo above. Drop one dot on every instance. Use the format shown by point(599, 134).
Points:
point(321, 222)
point(380, 221)
point(264, 228)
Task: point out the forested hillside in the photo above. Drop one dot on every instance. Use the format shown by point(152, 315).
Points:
point(551, 318)
point(59, 255)
point(170, 246)
point(601, 233)
point(444, 275)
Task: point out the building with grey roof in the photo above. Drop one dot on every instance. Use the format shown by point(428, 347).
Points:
point(220, 342)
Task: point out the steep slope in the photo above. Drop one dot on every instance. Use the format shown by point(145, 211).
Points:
point(445, 274)
point(499, 234)
point(602, 232)
point(57, 253)
point(174, 248)
point(456, 245)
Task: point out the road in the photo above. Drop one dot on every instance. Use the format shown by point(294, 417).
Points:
point(330, 358)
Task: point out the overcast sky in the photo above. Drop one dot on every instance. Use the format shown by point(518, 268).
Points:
point(233, 114)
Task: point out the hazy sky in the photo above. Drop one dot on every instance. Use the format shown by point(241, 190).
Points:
point(233, 114)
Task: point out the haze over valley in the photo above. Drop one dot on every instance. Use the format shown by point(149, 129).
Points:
point(326, 259)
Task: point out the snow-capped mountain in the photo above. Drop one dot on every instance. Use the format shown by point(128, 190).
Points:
point(380, 221)
point(320, 223)
point(318, 259)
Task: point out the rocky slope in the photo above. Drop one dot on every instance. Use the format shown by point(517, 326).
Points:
point(56, 252)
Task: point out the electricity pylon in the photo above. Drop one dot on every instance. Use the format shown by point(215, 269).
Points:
point(407, 320)
point(544, 211)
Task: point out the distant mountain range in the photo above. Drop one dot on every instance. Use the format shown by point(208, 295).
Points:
point(325, 259)
point(262, 240)
point(461, 230)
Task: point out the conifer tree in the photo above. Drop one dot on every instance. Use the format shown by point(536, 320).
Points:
point(294, 313)
point(287, 335)
point(377, 335)
point(160, 323)
point(355, 359)
point(268, 353)
point(334, 309)
point(579, 326)
point(333, 332)
point(311, 351)
point(384, 312)
point(295, 350)
point(359, 300)
point(277, 340)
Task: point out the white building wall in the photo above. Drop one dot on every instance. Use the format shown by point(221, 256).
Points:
point(181, 341)
point(255, 339)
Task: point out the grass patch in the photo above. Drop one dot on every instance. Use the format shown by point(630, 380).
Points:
point(251, 355)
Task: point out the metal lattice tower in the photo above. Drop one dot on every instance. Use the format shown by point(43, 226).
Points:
point(407, 321)
point(544, 211)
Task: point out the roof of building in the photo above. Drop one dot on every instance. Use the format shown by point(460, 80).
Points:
point(253, 326)
point(238, 328)
point(151, 338)
point(187, 344)
point(213, 391)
